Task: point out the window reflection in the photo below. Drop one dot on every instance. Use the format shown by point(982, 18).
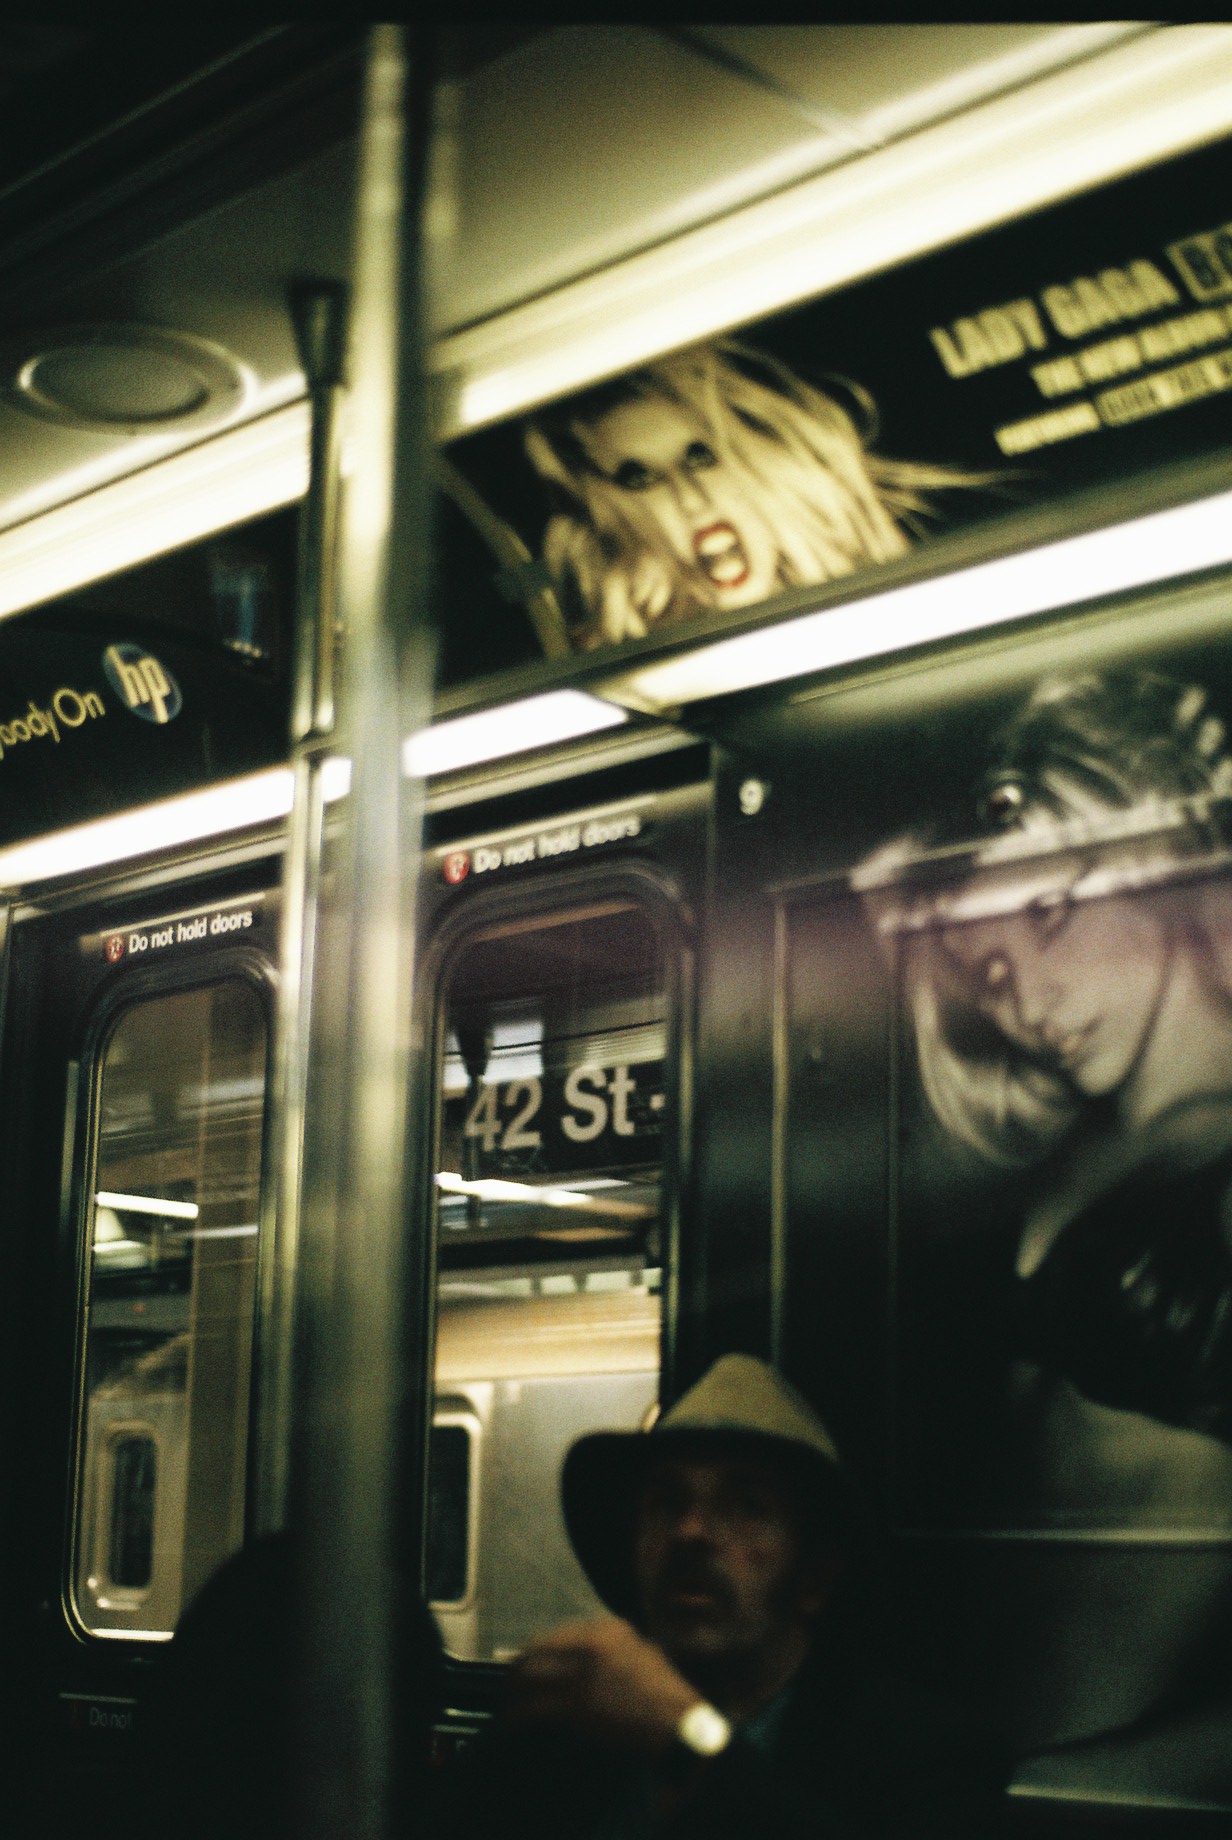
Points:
point(449, 1512)
point(169, 1292)
point(135, 1467)
point(548, 1242)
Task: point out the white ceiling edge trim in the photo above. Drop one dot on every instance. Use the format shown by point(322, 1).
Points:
point(136, 452)
point(248, 471)
point(1162, 93)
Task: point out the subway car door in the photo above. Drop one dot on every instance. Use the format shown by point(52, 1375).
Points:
point(558, 978)
point(136, 1062)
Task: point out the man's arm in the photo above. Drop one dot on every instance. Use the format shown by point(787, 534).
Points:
point(601, 1681)
point(874, 1762)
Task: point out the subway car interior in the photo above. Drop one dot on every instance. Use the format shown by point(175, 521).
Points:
point(615, 746)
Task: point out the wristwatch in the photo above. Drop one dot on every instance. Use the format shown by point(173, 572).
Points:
point(703, 1730)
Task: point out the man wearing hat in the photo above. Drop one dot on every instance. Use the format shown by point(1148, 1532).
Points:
point(729, 1695)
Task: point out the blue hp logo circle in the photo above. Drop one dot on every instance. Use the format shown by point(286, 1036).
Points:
point(142, 684)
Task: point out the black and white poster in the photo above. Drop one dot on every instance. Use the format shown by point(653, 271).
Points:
point(1009, 1169)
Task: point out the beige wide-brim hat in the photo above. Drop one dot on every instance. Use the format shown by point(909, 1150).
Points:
point(740, 1403)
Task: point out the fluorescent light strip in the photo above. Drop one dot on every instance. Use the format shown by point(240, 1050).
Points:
point(236, 804)
point(148, 1204)
point(335, 778)
point(264, 798)
point(1062, 574)
point(1160, 94)
point(241, 474)
point(125, 1635)
point(511, 728)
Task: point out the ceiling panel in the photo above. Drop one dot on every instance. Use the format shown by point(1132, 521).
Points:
point(222, 277)
point(876, 82)
point(591, 141)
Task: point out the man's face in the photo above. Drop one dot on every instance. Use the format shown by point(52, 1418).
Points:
point(723, 1572)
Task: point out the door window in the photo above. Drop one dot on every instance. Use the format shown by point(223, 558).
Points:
point(170, 1272)
point(553, 1099)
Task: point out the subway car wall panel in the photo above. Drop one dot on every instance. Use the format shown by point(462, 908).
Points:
point(999, 885)
point(870, 1046)
point(735, 1070)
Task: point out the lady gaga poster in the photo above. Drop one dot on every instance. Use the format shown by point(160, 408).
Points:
point(1082, 345)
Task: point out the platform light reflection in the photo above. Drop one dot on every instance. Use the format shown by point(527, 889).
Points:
point(148, 1204)
point(496, 1189)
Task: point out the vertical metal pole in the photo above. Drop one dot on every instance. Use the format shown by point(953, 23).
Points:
point(319, 311)
point(352, 1252)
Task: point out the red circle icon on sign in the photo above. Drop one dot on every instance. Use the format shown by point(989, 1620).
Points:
point(456, 866)
point(115, 947)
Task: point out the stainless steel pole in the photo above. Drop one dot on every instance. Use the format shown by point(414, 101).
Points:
point(353, 1253)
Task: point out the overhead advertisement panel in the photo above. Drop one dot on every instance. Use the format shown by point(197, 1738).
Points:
point(1083, 346)
point(156, 682)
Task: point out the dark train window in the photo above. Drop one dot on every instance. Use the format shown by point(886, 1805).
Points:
point(553, 1092)
point(174, 1167)
point(449, 1512)
point(134, 1467)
